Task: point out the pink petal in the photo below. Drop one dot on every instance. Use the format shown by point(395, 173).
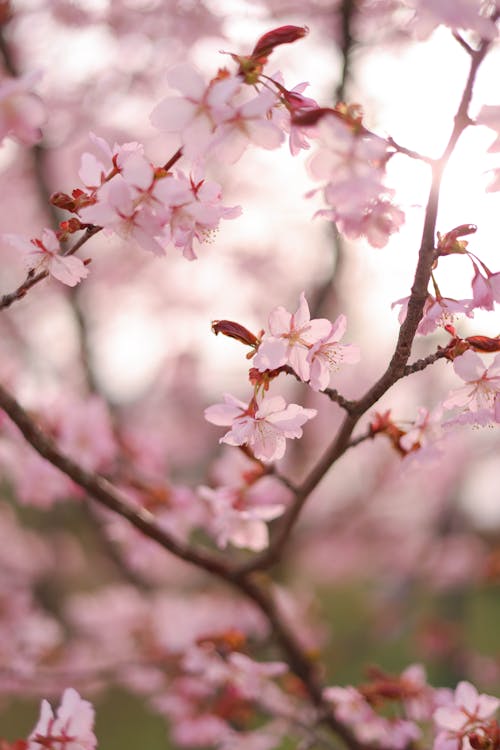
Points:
point(271, 354)
point(302, 315)
point(280, 321)
point(270, 405)
point(69, 270)
point(469, 367)
point(186, 79)
point(172, 114)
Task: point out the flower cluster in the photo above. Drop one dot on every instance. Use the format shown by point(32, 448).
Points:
point(350, 161)
point(236, 689)
point(311, 348)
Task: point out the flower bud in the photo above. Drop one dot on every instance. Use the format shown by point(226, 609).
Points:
point(484, 343)
point(449, 243)
point(281, 35)
point(235, 331)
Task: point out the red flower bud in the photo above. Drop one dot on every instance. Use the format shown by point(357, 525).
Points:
point(62, 200)
point(382, 424)
point(484, 343)
point(313, 116)
point(449, 243)
point(350, 114)
point(235, 331)
point(281, 35)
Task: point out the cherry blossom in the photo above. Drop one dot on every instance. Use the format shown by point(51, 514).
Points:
point(485, 289)
point(21, 111)
point(438, 312)
point(456, 14)
point(154, 625)
point(194, 209)
point(482, 385)
point(327, 354)
point(248, 122)
point(93, 171)
point(378, 223)
point(237, 522)
point(290, 338)
point(425, 433)
point(351, 708)
point(468, 713)
point(489, 116)
point(352, 162)
point(70, 729)
point(128, 205)
point(419, 698)
point(225, 115)
point(45, 255)
point(293, 103)
point(263, 426)
point(196, 114)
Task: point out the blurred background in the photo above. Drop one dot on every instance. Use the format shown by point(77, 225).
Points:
point(394, 561)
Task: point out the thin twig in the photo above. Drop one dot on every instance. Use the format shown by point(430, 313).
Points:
point(466, 46)
point(334, 395)
point(255, 587)
point(421, 364)
point(409, 152)
point(397, 367)
point(353, 442)
point(33, 278)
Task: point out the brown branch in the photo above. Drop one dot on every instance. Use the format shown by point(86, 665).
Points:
point(347, 12)
point(409, 152)
point(465, 45)
point(104, 492)
point(33, 278)
point(421, 364)
point(255, 587)
point(368, 435)
point(337, 397)
point(397, 367)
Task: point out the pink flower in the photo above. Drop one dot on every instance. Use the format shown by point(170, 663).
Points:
point(237, 522)
point(126, 210)
point(483, 385)
point(196, 114)
point(44, 255)
point(93, 171)
point(419, 697)
point(251, 676)
point(485, 289)
point(458, 14)
point(469, 712)
point(380, 220)
point(371, 729)
point(294, 103)
point(353, 165)
point(490, 117)
point(194, 209)
point(21, 112)
point(425, 431)
point(299, 104)
point(262, 426)
point(327, 354)
point(437, 312)
point(248, 122)
point(70, 730)
point(291, 337)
